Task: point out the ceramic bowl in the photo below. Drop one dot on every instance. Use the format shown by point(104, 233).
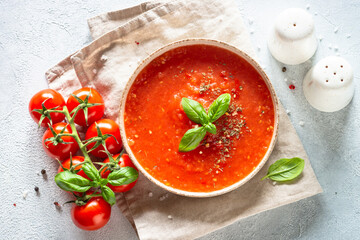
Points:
point(188, 42)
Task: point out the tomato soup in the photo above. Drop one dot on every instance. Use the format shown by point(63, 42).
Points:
point(155, 121)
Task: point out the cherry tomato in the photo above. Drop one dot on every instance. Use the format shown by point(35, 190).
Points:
point(94, 113)
point(60, 151)
point(75, 160)
point(124, 162)
point(107, 126)
point(51, 99)
point(93, 215)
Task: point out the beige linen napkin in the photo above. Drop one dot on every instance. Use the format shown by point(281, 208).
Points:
point(123, 39)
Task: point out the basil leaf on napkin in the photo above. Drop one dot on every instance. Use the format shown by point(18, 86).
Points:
point(191, 139)
point(285, 169)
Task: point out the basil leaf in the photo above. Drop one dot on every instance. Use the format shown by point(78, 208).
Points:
point(191, 139)
point(108, 195)
point(123, 176)
point(195, 111)
point(72, 182)
point(219, 107)
point(211, 128)
point(285, 169)
point(91, 171)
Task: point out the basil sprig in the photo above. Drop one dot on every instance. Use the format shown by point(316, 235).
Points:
point(285, 169)
point(196, 113)
point(70, 181)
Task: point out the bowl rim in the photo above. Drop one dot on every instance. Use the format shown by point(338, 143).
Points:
point(188, 42)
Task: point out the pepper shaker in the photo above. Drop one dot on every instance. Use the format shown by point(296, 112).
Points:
point(328, 86)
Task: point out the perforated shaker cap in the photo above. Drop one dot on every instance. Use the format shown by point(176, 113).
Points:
point(329, 85)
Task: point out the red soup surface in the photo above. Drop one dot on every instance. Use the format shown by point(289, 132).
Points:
point(155, 121)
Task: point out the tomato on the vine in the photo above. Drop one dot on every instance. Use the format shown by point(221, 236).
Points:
point(106, 126)
point(94, 112)
point(125, 161)
point(51, 99)
point(60, 151)
point(93, 215)
point(75, 160)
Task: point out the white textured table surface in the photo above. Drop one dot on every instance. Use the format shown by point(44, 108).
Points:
point(35, 35)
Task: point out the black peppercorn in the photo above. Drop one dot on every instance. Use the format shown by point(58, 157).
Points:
point(43, 171)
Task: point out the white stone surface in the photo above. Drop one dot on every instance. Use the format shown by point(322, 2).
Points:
point(35, 35)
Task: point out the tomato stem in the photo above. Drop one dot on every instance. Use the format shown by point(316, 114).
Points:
point(75, 166)
point(53, 111)
point(103, 167)
point(66, 134)
point(75, 134)
point(75, 112)
point(94, 139)
point(112, 162)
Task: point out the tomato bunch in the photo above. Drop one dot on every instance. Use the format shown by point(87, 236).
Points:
point(93, 188)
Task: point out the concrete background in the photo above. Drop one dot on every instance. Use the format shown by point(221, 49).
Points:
point(36, 34)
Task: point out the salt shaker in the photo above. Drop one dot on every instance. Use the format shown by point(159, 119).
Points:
point(292, 40)
point(329, 85)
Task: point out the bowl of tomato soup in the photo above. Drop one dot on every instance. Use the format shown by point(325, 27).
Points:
point(152, 120)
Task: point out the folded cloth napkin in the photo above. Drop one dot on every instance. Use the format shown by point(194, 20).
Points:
point(125, 37)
